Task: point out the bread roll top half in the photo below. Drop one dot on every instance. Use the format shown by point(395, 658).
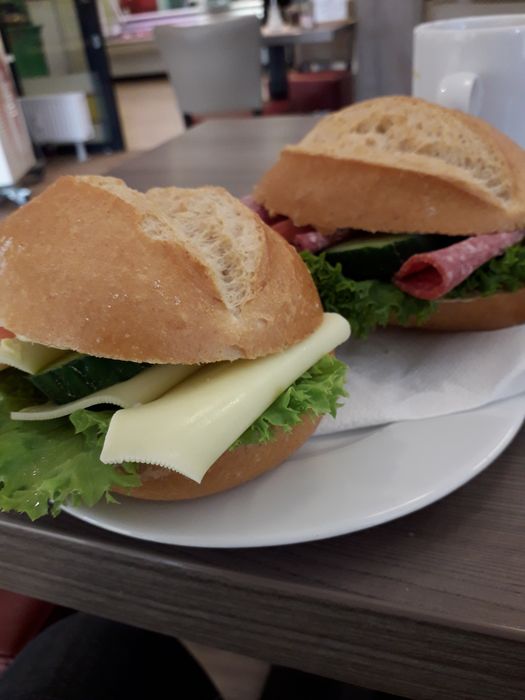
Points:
point(400, 165)
point(176, 276)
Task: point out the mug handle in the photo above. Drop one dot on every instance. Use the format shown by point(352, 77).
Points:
point(461, 91)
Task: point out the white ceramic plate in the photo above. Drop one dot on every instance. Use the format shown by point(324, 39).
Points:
point(334, 485)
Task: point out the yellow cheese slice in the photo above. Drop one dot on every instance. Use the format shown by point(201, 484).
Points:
point(27, 357)
point(146, 386)
point(192, 425)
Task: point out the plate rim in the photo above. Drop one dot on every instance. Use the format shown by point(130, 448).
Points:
point(260, 540)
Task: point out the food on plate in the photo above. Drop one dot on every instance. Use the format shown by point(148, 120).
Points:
point(164, 345)
point(407, 213)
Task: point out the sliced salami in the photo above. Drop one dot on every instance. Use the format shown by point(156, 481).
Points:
point(304, 237)
point(259, 209)
point(307, 238)
point(301, 237)
point(434, 274)
point(289, 231)
point(315, 242)
point(312, 241)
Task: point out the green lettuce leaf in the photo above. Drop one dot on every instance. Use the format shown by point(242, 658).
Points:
point(52, 462)
point(46, 464)
point(371, 303)
point(318, 392)
point(505, 273)
point(366, 304)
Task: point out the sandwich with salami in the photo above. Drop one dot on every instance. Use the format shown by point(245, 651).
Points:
point(406, 213)
point(166, 345)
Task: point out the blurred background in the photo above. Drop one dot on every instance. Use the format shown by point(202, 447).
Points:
point(88, 80)
point(85, 84)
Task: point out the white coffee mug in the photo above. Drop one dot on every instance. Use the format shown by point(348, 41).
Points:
point(475, 64)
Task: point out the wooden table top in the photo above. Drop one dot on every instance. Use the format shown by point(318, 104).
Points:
point(428, 606)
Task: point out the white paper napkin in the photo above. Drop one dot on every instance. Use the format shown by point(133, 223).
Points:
point(404, 375)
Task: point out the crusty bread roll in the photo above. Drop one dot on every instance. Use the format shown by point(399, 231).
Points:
point(404, 165)
point(477, 314)
point(94, 266)
point(233, 468)
point(400, 165)
point(174, 276)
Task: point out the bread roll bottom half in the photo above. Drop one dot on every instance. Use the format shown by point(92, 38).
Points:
point(233, 468)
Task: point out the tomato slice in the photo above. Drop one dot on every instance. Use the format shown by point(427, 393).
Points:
point(4, 333)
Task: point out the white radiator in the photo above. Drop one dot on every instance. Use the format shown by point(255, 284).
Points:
point(61, 118)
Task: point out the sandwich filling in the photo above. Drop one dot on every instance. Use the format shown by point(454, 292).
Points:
point(371, 278)
point(103, 417)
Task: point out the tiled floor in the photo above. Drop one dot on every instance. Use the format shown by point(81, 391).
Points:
point(149, 112)
point(236, 677)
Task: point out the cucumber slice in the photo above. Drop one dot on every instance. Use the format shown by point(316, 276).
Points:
point(75, 376)
point(379, 256)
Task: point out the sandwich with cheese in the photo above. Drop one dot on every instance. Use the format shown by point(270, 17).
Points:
point(166, 345)
point(406, 213)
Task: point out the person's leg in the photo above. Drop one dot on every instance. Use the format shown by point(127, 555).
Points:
point(89, 658)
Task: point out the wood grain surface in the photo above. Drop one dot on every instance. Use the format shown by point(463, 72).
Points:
point(430, 606)
point(233, 153)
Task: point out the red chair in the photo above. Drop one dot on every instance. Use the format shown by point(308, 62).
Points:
point(21, 619)
point(320, 91)
point(325, 90)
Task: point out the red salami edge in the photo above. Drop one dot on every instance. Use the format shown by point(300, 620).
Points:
point(434, 274)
